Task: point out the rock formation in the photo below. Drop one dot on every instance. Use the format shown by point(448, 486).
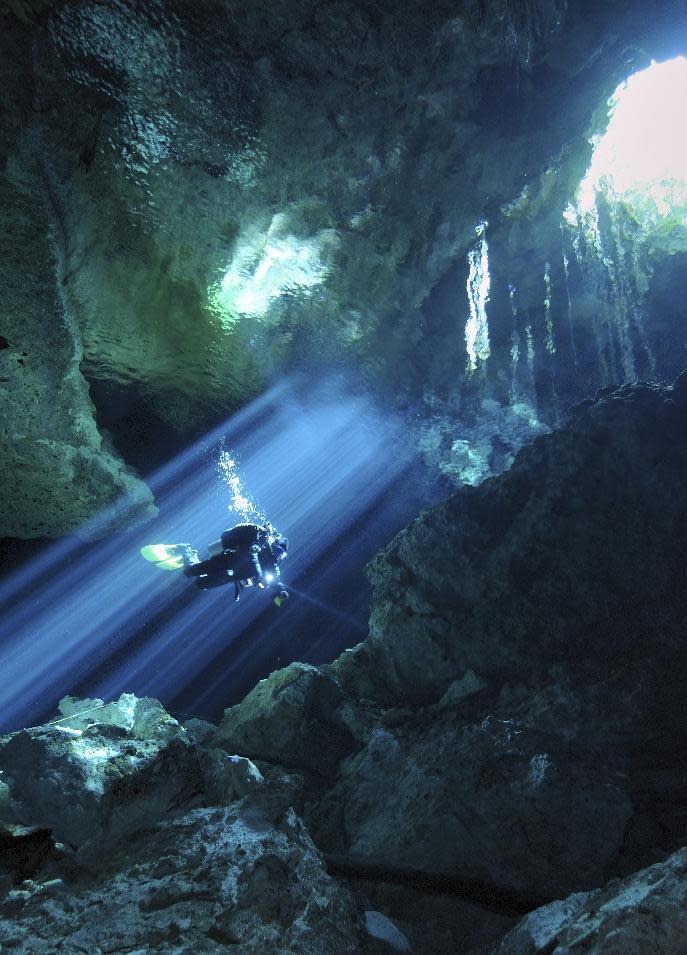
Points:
point(643, 913)
point(509, 727)
point(195, 198)
point(144, 841)
point(508, 734)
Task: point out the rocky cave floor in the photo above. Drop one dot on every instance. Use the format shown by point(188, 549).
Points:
point(498, 768)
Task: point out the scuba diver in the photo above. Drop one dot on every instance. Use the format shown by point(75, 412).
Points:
point(247, 555)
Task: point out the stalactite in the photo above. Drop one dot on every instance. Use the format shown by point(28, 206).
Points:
point(566, 273)
point(478, 284)
point(549, 343)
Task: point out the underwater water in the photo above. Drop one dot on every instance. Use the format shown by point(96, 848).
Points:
point(406, 282)
point(328, 469)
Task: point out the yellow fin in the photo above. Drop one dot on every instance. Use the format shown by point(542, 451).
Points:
point(163, 556)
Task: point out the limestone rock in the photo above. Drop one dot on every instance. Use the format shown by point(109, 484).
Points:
point(291, 718)
point(646, 912)
point(497, 803)
point(62, 470)
point(183, 216)
point(227, 778)
point(571, 556)
point(193, 879)
point(111, 776)
point(107, 769)
point(206, 880)
point(200, 730)
point(514, 718)
point(59, 469)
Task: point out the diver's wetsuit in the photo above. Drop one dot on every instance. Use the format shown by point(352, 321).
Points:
point(246, 553)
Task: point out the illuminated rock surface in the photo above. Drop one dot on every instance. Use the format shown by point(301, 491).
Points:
point(161, 846)
point(110, 777)
point(203, 880)
point(644, 913)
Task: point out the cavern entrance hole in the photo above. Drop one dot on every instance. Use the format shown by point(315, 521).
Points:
point(641, 159)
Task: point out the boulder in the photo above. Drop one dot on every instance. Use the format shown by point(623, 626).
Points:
point(471, 803)
point(292, 718)
point(573, 558)
point(199, 883)
point(163, 845)
point(110, 769)
point(646, 912)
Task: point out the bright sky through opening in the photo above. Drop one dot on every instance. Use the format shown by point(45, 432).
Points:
point(643, 154)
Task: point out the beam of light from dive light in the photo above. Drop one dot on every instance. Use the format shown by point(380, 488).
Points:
point(272, 630)
point(312, 461)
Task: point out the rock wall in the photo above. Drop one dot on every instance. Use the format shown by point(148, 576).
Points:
point(57, 468)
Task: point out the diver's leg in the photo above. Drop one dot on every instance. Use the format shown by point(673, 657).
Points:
point(188, 555)
point(197, 569)
point(208, 582)
point(212, 572)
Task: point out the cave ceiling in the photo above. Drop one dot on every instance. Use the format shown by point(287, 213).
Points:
point(196, 199)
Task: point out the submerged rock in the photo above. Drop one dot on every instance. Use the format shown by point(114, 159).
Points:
point(497, 803)
point(209, 879)
point(570, 558)
point(514, 717)
point(106, 778)
point(149, 842)
point(291, 718)
point(644, 913)
point(105, 770)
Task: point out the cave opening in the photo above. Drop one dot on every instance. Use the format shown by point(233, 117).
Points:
point(641, 158)
point(625, 230)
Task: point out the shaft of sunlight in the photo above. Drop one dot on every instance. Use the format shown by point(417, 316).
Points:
point(97, 616)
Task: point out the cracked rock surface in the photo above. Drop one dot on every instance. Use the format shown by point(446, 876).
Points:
point(121, 834)
point(209, 878)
